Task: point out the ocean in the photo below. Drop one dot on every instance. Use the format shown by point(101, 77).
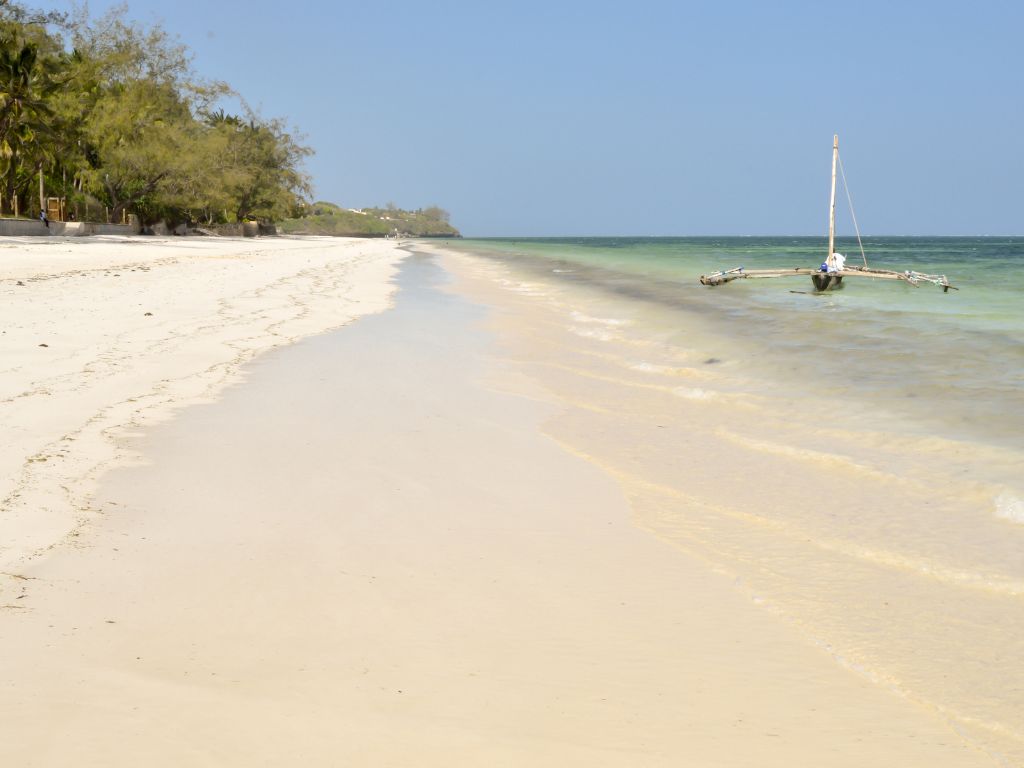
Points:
point(953, 362)
point(853, 459)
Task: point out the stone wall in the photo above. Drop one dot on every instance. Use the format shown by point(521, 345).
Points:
point(68, 228)
point(34, 227)
point(112, 229)
point(20, 227)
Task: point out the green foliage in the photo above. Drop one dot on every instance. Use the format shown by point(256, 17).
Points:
point(262, 179)
point(323, 218)
point(139, 134)
point(115, 117)
point(28, 81)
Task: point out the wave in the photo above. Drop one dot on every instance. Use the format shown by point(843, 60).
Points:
point(579, 317)
point(694, 393)
point(1010, 507)
point(591, 333)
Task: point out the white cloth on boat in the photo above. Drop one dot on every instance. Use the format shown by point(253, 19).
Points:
point(837, 263)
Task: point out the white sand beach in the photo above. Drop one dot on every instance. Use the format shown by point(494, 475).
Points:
point(232, 539)
point(104, 335)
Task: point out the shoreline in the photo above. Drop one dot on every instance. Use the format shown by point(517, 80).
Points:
point(108, 335)
point(863, 539)
point(373, 550)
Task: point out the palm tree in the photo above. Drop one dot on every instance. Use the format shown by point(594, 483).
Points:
point(26, 119)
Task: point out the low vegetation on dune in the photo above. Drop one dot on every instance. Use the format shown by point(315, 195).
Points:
point(323, 218)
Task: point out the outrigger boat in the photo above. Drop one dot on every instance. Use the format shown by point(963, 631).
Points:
point(830, 275)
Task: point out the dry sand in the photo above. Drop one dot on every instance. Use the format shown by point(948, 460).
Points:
point(369, 553)
point(107, 334)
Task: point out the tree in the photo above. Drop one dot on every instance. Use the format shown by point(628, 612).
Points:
point(135, 103)
point(27, 82)
point(435, 213)
point(17, 16)
point(261, 172)
point(122, 113)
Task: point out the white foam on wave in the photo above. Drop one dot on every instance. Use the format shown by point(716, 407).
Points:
point(1010, 507)
point(694, 393)
point(579, 317)
point(591, 333)
point(834, 461)
point(531, 289)
point(678, 372)
point(651, 368)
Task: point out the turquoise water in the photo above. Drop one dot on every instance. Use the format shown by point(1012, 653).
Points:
point(946, 363)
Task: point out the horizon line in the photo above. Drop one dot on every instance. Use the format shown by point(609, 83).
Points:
point(824, 237)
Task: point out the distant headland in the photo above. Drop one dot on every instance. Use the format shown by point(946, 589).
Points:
point(323, 218)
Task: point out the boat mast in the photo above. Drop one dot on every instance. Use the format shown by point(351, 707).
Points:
point(832, 202)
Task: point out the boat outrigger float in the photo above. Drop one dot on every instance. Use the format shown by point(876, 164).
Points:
point(830, 275)
point(819, 278)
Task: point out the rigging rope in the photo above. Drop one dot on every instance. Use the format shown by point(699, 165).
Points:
point(852, 214)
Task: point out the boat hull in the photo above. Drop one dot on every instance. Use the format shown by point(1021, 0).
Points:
point(824, 281)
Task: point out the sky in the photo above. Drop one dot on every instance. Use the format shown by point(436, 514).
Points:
point(643, 118)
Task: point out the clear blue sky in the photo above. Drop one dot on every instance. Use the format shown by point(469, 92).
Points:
point(640, 118)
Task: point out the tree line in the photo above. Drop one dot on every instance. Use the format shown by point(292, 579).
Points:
point(111, 116)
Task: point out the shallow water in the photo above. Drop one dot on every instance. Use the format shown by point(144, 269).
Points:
point(855, 459)
point(909, 358)
point(954, 360)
